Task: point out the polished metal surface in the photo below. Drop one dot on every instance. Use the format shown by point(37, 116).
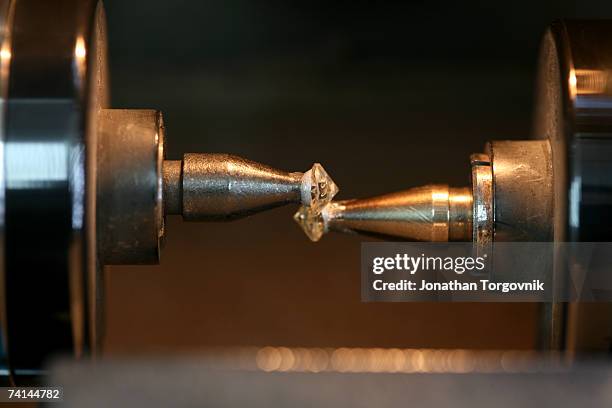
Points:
point(129, 209)
point(460, 216)
point(429, 213)
point(522, 190)
point(482, 194)
point(224, 187)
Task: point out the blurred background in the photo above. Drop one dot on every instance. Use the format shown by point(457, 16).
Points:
point(386, 95)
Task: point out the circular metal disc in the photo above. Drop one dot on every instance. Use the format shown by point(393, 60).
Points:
point(574, 112)
point(56, 51)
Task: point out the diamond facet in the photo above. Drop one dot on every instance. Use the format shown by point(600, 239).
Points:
point(311, 222)
point(318, 189)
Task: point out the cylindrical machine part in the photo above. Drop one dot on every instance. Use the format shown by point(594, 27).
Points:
point(130, 208)
point(460, 214)
point(222, 186)
point(429, 213)
point(522, 190)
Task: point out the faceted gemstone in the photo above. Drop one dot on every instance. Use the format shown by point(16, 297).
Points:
point(318, 190)
point(322, 188)
point(311, 222)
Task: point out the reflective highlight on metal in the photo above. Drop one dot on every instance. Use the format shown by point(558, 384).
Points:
point(429, 213)
point(482, 194)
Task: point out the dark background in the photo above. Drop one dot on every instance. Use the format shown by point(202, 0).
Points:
point(386, 95)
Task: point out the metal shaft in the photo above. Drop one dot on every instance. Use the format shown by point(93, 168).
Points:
point(223, 187)
point(428, 213)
